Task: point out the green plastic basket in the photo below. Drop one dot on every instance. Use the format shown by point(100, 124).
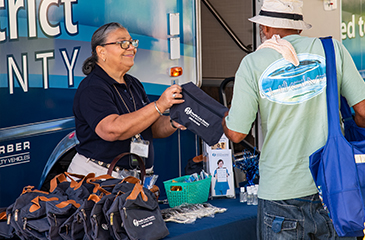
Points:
point(194, 192)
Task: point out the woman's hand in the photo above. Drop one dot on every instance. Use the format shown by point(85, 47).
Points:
point(172, 95)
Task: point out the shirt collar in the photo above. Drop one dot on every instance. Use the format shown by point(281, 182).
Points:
point(103, 75)
point(292, 37)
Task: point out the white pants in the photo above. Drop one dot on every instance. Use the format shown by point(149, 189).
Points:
point(81, 165)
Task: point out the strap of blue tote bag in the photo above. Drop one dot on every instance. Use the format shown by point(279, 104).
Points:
point(345, 109)
point(334, 128)
point(332, 94)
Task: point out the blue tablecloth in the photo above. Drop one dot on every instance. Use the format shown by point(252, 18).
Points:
point(238, 222)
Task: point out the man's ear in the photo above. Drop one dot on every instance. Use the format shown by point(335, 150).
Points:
point(267, 31)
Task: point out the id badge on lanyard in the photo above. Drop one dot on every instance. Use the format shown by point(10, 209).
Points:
point(139, 146)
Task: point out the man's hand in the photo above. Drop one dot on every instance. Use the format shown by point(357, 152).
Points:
point(177, 125)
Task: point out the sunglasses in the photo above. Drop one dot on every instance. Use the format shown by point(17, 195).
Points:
point(124, 44)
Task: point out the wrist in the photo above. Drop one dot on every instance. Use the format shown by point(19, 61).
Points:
point(157, 109)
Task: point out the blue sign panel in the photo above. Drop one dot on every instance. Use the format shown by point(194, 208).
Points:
point(43, 44)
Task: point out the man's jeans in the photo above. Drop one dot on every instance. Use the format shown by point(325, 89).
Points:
point(300, 218)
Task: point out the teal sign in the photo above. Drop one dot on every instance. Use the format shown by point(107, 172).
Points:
point(353, 31)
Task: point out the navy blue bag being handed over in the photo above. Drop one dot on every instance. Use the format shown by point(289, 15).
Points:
point(200, 113)
point(338, 168)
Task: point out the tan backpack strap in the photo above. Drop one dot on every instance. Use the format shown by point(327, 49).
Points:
point(28, 189)
point(68, 202)
point(3, 215)
point(97, 186)
point(138, 189)
point(131, 179)
point(36, 205)
point(76, 185)
point(154, 188)
point(94, 197)
point(59, 178)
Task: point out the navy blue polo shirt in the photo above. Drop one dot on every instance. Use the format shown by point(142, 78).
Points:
point(95, 99)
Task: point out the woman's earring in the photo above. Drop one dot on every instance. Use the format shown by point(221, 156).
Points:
point(103, 59)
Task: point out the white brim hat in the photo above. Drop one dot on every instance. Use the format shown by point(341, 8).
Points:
point(282, 14)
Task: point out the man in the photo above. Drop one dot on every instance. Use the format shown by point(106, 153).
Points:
point(285, 80)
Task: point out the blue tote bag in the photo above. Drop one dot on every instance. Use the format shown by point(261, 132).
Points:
point(338, 168)
point(352, 131)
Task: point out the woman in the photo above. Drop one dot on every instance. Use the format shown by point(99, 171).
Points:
point(111, 107)
point(221, 184)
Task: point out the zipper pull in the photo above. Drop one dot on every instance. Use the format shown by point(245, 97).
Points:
point(125, 212)
point(55, 219)
point(111, 219)
point(84, 213)
point(96, 220)
point(25, 223)
point(16, 215)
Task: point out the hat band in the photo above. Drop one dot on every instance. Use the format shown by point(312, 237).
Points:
point(295, 17)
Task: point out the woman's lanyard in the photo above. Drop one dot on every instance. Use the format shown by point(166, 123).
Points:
point(138, 145)
point(134, 103)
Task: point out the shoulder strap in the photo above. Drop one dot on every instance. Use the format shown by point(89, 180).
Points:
point(332, 89)
point(345, 109)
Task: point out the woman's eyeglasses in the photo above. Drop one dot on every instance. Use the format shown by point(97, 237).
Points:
point(124, 44)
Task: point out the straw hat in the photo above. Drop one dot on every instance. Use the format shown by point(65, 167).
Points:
point(282, 14)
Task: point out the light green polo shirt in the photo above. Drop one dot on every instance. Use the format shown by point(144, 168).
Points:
point(293, 110)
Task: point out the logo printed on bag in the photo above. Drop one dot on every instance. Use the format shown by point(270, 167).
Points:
point(195, 118)
point(144, 222)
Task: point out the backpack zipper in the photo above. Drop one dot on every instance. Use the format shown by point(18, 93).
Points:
point(16, 215)
point(111, 218)
point(24, 223)
point(125, 212)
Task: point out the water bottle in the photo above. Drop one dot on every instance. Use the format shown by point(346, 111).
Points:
point(249, 195)
point(255, 199)
point(243, 195)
